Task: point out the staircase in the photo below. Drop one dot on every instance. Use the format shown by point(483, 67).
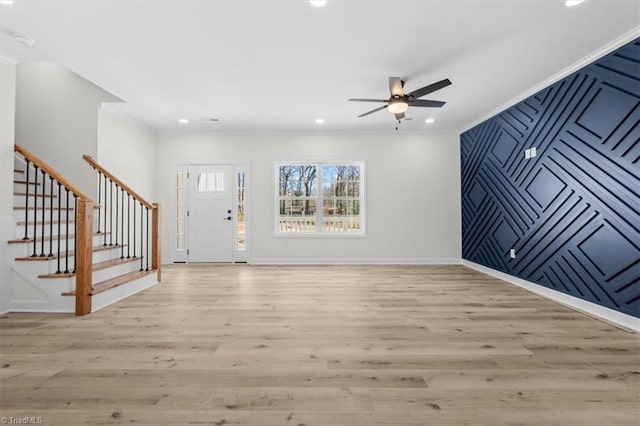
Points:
point(71, 253)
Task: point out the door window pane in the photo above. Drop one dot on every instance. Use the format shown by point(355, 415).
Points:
point(210, 182)
point(241, 213)
point(181, 208)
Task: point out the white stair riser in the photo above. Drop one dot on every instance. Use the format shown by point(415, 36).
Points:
point(49, 229)
point(44, 268)
point(21, 201)
point(26, 249)
point(114, 271)
point(31, 215)
point(50, 266)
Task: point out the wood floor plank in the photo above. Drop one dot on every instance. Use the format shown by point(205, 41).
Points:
point(321, 345)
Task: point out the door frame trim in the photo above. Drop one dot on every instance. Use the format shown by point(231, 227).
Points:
point(236, 255)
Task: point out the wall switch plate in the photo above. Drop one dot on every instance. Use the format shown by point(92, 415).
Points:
point(530, 153)
point(512, 253)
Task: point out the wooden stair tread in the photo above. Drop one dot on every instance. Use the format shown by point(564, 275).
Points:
point(71, 253)
point(95, 267)
point(18, 171)
point(40, 208)
point(35, 195)
point(52, 237)
point(24, 182)
point(46, 222)
point(114, 282)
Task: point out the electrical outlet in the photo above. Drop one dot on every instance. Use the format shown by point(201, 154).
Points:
point(512, 253)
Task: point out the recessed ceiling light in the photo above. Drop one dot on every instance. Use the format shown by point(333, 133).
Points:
point(318, 3)
point(571, 3)
point(23, 39)
point(6, 2)
point(184, 121)
point(319, 120)
point(429, 120)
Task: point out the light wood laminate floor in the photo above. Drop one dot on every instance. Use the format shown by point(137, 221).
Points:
point(321, 345)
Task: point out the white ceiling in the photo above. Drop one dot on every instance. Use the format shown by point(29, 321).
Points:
point(281, 64)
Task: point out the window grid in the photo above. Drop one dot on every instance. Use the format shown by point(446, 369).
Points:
point(319, 198)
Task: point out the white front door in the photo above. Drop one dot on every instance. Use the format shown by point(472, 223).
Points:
point(210, 213)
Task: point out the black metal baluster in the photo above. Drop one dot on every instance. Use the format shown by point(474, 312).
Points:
point(147, 239)
point(110, 213)
point(128, 228)
point(75, 227)
point(105, 212)
point(59, 224)
point(122, 231)
point(26, 205)
point(66, 244)
point(141, 236)
point(117, 205)
point(35, 213)
point(99, 198)
point(44, 187)
point(134, 229)
point(51, 217)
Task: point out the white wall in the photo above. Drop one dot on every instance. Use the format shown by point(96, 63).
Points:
point(413, 191)
point(7, 225)
point(57, 118)
point(127, 149)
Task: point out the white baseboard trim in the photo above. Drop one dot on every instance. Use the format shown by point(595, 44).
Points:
point(353, 261)
point(609, 315)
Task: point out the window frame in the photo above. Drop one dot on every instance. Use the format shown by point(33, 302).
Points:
point(319, 199)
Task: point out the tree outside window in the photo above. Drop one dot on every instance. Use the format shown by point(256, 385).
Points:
point(319, 198)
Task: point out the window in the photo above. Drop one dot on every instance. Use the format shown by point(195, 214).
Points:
point(210, 182)
point(181, 208)
point(241, 229)
point(320, 198)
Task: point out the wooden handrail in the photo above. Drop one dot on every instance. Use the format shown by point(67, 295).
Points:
point(117, 181)
point(51, 172)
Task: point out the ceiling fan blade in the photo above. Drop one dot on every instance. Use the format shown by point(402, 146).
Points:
point(399, 115)
point(430, 88)
point(367, 100)
point(395, 86)
point(426, 103)
point(372, 111)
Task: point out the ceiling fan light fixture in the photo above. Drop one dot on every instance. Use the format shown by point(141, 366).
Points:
point(398, 106)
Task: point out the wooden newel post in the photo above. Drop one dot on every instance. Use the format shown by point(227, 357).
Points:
point(84, 256)
point(156, 261)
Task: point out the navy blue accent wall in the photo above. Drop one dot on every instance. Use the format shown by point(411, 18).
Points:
point(572, 213)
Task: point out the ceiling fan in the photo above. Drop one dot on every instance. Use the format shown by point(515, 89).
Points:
point(399, 102)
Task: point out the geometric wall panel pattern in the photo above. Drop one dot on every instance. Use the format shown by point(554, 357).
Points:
point(572, 212)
